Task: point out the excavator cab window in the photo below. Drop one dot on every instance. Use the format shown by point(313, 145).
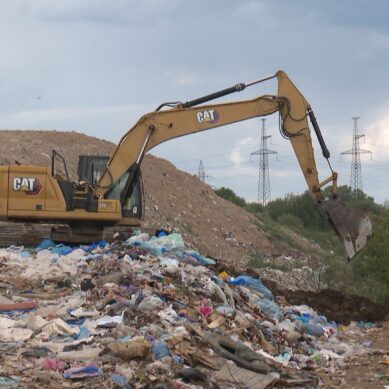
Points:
point(132, 204)
point(91, 167)
point(128, 189)
point(54, 173)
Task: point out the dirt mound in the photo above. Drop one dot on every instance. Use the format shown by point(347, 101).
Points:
point(173, 199)
point(35, 147)
point(214, 226)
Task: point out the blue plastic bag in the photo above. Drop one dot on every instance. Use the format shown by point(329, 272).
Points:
point(269, 308)
point(313, 324)
point(61, 250)
point(253, 283)
point(121, 381)
point(314, 329)
point(83, 333)
point(199, 258)
point(160, 350)
point(45, 244)
point(24, 254)
point(83, 372)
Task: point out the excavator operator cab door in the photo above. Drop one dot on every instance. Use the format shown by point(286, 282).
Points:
point(132, 200)
point(91, 167)
point(129, 190)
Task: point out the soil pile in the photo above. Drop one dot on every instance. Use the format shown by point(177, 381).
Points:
point(335, 305)
point(35, 148)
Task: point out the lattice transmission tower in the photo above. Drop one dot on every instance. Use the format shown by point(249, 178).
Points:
point(264, 194)
point(201, 174)
point(356, 166)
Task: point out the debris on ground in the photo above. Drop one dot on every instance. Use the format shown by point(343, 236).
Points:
point(150, 313)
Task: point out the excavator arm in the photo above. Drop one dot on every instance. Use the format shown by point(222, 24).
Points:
point(187, 118)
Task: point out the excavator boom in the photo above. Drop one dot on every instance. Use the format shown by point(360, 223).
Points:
point(181, 119)
point(108, 195)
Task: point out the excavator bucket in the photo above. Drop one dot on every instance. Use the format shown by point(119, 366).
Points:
point(351, 225)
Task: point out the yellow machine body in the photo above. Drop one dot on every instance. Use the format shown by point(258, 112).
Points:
point(32, 193)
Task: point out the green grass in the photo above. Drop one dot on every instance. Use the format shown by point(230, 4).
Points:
point(367, 274)
point(275, 229)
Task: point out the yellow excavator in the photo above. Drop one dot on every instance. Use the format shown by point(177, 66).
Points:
point(108, 193)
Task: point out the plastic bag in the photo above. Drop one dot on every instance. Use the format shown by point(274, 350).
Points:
point(314, 329)
point(164, 244)
point(199, 258)
point(110, 321)
point(269, 308)
point(253, 283)
point(138, 239)
point(121, 381)
point(149, 304)
point(226, 310)
point(170, 265)
point(82, 372)
point(45, 244)
point(160, 350)
point(61, 250)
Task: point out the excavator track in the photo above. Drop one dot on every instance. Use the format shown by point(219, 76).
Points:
point(32, 233)
point(26, 234)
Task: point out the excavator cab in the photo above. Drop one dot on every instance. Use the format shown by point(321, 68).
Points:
point(91, 167)
point(127, 189)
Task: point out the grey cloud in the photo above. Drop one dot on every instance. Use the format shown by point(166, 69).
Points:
point(79, 55)
point(116, 12)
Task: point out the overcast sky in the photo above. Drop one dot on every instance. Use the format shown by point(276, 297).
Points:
point(96, 66)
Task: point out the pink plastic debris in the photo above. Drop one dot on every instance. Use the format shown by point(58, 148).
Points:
point(52, 364)
point(206, 311)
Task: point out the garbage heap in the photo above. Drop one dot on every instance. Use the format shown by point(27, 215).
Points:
point(148, 313)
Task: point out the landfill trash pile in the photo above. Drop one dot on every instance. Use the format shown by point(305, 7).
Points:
point(150, 313)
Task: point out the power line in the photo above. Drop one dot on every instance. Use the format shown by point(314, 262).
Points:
point(375, 145)
point(211, 155)
point(281, 158)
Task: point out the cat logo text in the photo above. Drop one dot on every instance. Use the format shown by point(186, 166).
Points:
point(211, 116)
point(31, 186)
